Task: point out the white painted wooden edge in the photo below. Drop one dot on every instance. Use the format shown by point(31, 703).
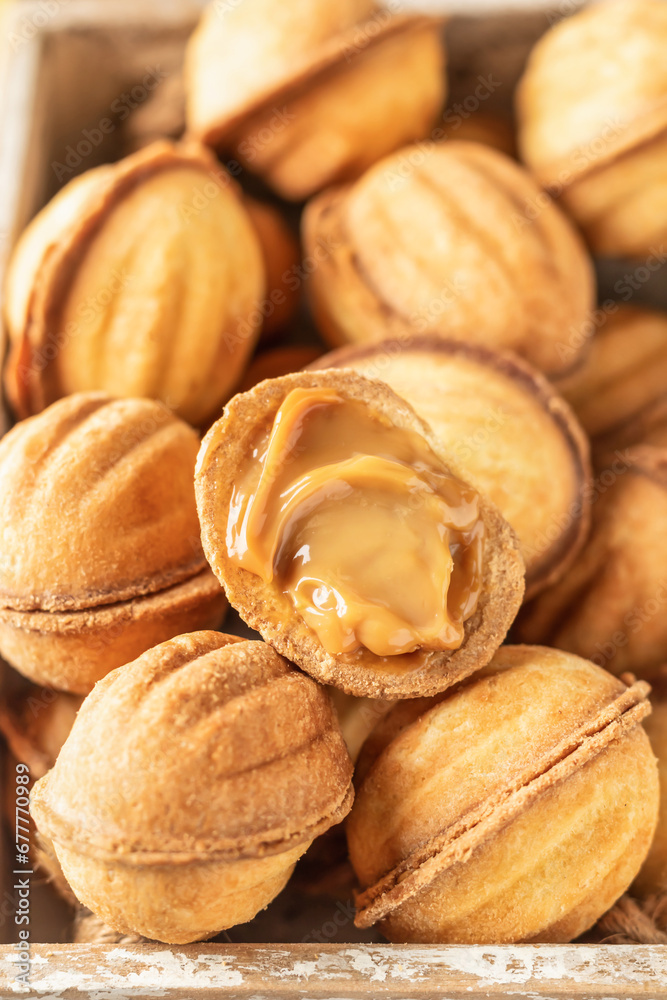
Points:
point(60, 15)
point(615, 972)
point(19, 75)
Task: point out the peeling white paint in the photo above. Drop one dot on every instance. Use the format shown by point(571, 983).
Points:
point(498, 966)
point(176, 969)
point(550, 963)
point(302, 969)
point(163, 971)
point(522, 971)
point(363, 962)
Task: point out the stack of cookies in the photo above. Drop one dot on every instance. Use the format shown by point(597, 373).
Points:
point(452, 524)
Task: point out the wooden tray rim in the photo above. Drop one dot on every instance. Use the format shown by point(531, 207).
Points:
point(612, 972)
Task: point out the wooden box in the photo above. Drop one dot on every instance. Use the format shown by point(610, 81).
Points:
point(68, 65)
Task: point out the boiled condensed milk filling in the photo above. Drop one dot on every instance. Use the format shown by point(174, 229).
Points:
point(356, 521)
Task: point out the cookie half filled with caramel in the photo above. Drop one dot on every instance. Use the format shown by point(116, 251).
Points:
point(344, 534)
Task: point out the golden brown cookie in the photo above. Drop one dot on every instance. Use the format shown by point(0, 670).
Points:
point(343, 532)
point(516, 807)
point(453, 239)
point(610, 605)
point(101, 553)
point(232, 763)
point(142, 278)
point(592, 110)
point(316, 93)
point(619, 387)
point(649, 426)
point(652, 879)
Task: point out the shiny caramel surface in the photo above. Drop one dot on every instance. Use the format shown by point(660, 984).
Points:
point(360, 525)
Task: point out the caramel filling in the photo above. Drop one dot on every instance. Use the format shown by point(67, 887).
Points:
point(358, 524)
